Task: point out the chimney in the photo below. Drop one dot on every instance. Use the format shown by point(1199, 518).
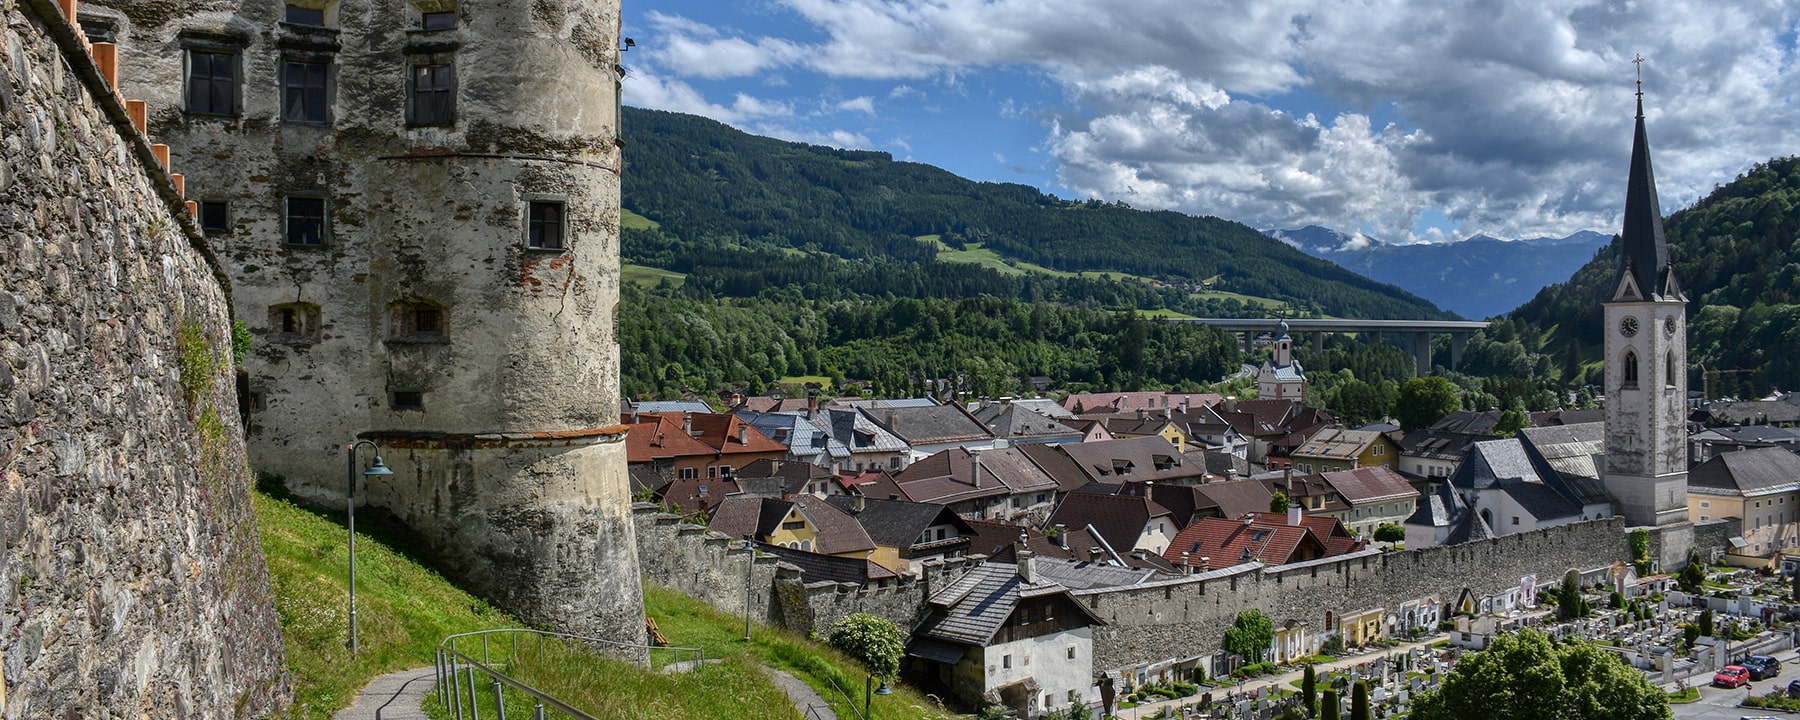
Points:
point(975, 467)
point(1006, 400)
point(1094, 555)
point(1142, 413)
point(1061, 538)
point(1205, 563)
point(659, 439)
point(858, 502)
point(687, 423)
point(1027, 566)
point(1294, 514)
point(1287, 478)
point(743, 434)
point(893, 420)
point(1186, 569)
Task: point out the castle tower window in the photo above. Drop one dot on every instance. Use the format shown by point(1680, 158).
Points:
point(418, 320)
point(313, 16)
point(406, 400)
point(1631, 370)
point(305, 95)
point(545, 226)
point(1669, 370)
point(215, 215)
point(212, 82)
point(445, 20)
point(294, 323)
point(433, 92)
point(306, 221)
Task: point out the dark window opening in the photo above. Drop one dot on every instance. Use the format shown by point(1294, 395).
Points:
point(546, 226)
point(1631, 369)
point(306, 221)
point(434, 94)
point(303, 97)
point(214, 215)
point(294, 323)
point(419, 320)
point(407, 400)
point(1669, 370)
point(439, 20)
point(305, 16)
point(98, 29)
point(212, 83)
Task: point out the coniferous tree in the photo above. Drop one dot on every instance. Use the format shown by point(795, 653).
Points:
point(1328, 705)
point(1309, 690)
point(1359, 701)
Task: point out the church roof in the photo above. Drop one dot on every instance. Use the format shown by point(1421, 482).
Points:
point(1644, 252)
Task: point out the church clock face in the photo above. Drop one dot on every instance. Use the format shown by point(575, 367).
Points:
point(1628, 326)
point(1669, 326)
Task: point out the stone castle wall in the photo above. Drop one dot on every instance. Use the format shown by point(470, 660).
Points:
point(132, 582)
point(1181, 617)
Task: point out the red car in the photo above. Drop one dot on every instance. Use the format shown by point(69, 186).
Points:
point(1733, 676)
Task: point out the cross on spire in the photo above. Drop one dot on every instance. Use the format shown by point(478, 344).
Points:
point(1638, 60)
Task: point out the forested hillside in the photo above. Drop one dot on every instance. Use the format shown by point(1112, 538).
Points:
point(742, 214)
point(1737, 256)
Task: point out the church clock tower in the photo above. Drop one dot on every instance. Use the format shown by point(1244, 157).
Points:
point(1646, 360)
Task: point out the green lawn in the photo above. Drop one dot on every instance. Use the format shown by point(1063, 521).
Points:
point(404, 608)
point(634, 221)
point(649, 276)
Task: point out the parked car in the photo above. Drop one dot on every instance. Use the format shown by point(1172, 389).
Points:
point(1762, 667)
point(1733, 676)
point(1794, 689)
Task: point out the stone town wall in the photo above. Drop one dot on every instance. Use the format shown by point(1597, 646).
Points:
point(1189, 616)
point(710, 566)
point(1176, 618)
point(132, 582)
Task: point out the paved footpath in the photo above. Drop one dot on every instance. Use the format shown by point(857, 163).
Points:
point(807, 700)
point(395, 696)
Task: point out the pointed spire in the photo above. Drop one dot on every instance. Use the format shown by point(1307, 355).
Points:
point(1645, 253)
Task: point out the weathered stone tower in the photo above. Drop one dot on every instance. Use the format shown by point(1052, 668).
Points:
point(418, 203)
point(1646, 360)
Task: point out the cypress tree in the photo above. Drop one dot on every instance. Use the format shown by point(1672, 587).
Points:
point(1328, 705)
point(1309, 691)
point(1359, 701)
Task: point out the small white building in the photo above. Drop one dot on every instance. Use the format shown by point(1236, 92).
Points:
point(1002, 635)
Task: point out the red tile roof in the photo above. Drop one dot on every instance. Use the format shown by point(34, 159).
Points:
point(1225, 542)
point(658, 438)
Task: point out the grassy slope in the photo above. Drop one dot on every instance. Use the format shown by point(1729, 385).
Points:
point(978, 255)
point(648, 276)
point(405, 609)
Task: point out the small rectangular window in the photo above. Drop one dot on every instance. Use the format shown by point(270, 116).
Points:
point(434, 94)
point(545, 227)
point(303, 92)
point(306, 221)
point(305, 16)
point(439, 20)
point(215, 215)
point(212, 83)
point(407, 400)
point(1006, 661)
point(687, 474)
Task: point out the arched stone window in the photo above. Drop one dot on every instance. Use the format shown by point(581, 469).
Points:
point(1669, 370)
point(1630, 372)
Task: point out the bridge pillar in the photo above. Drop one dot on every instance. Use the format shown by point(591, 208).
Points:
point(1458, 343)
point(1318, 341)
point(1422, 353)
point(1249, 337)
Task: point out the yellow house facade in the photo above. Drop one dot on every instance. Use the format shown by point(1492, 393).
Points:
point(1760, 487)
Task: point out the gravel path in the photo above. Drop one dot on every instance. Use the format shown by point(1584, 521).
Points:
point(395, 696)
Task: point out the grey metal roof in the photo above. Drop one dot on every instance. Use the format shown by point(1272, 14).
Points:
point(855, 431)
point(1754, 471)
point(1291, 372)
point(656, 406)
point(930, 424)
point(974, 607)
point(1083, 575)
point(1491, 461)
point(1542, 501)
point(804, 440)
point(1572, 452)
point(1010, 420)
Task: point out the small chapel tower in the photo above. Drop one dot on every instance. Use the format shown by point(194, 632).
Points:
point(1646, 360)
point(1281, 377)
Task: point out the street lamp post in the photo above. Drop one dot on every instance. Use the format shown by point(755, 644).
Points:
point(376, 469)
point(749, 578)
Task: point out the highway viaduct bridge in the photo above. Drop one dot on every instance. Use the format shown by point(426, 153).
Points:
point(1420, 330)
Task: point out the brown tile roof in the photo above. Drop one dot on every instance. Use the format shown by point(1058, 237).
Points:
point(730, 435)
point(698, 494)
point(1336, 443)
point(1233, 498)
point(1225, 542)
point(658, 438)
point(1134, 459)
point(1370, 485)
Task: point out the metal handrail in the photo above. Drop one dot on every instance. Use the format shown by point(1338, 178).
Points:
point(451, 661)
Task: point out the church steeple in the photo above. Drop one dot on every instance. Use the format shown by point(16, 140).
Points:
point(1644, 254)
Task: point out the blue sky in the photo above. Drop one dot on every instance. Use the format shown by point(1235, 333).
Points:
point(1408, 120)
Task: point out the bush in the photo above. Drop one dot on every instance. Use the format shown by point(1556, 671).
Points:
point(1446, 625)
point(1185, 689)
point(1333, 645)
point(1390, 532)
point(1616, 600)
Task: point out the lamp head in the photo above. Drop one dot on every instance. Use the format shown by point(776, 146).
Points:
point(377, 468)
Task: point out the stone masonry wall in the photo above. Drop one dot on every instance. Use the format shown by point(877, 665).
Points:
point(1189, 616)
point(132, 582)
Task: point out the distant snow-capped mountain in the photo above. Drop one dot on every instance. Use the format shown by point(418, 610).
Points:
point(1479, 277)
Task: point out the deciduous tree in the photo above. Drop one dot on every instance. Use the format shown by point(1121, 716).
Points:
point(1526, 676)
